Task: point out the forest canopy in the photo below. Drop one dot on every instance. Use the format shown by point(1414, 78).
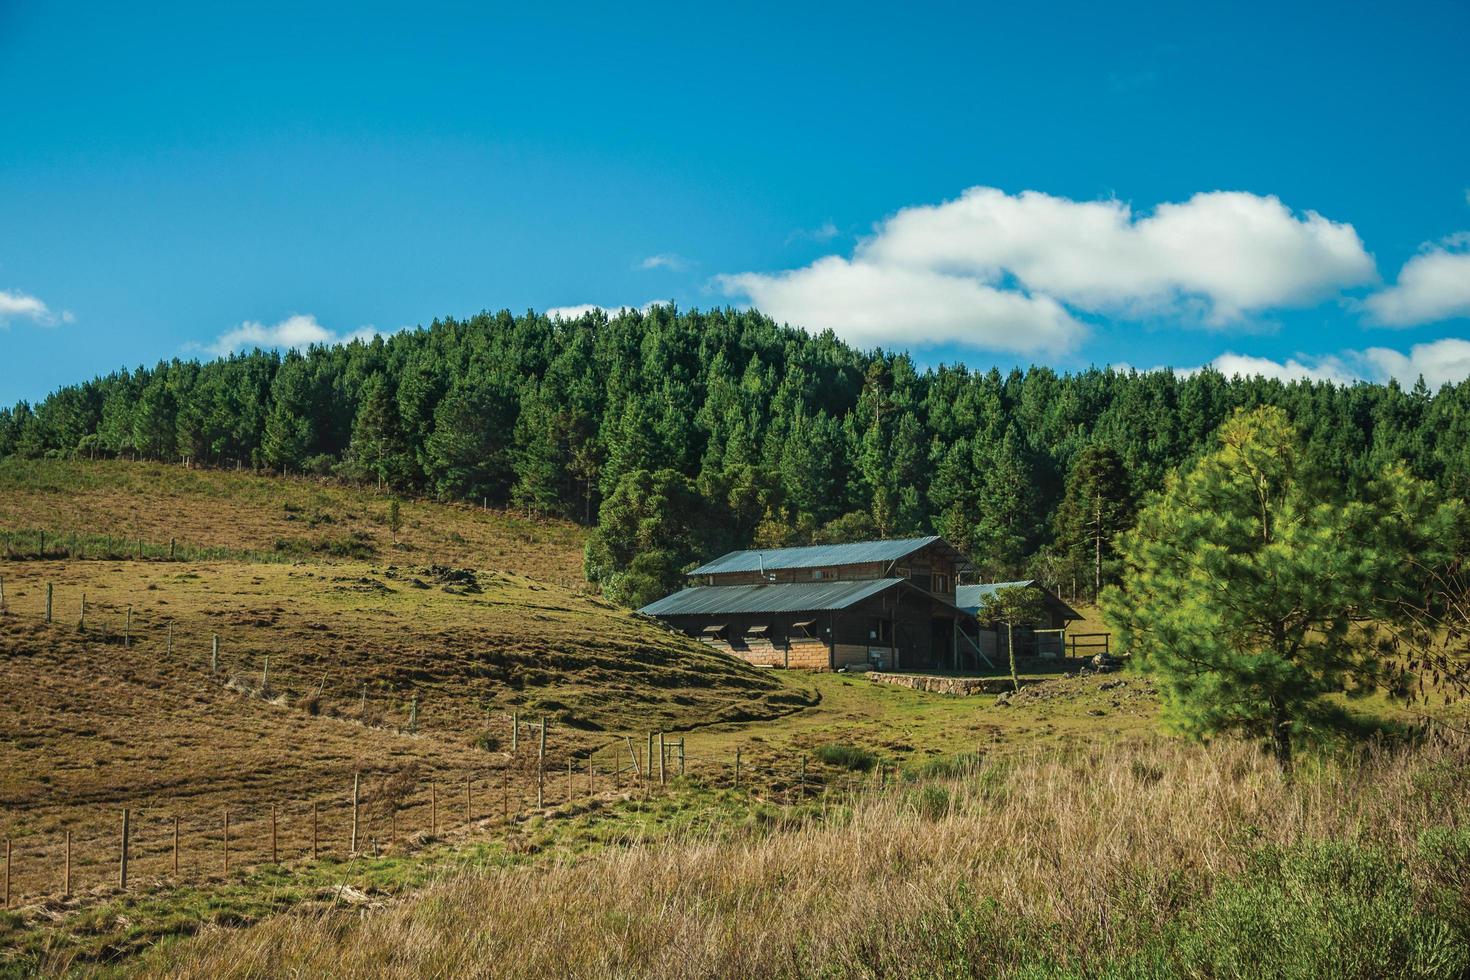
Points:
point(684, 434)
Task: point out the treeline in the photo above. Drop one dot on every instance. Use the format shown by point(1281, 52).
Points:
point(680, 434)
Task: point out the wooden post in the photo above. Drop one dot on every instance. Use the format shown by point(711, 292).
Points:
point(227, 840)
point(2, 596)
point(66, 870)
point(313, 831)
point(48, 598)
point(170, 650)
point(82, 614)
point(265, 675)
point(275, 854)
point(540, 785)
point(633, 755)
point(176, 845)
point(662, 761)
point(171, 543)
point(122, 868)
point(433, 810)
point(681, 755)
point(128, 629)
point(393, 825)
point(413, 714)
point(214, 654)
point(515, 732)
point(356, 782)
point(140, 549)
point(541, 747)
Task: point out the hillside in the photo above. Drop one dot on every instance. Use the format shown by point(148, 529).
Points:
point(405, 670)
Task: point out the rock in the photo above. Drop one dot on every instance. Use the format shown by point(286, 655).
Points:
point(1109, 685)
point(1097, 712)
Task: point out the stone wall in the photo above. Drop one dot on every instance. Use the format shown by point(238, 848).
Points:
point(935, 684)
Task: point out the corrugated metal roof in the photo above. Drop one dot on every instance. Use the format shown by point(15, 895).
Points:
point(815, 556)
point(730, 600)
point(969, 597)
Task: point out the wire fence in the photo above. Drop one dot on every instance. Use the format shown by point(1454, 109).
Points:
point(53, 848)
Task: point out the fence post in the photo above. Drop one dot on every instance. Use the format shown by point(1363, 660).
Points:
point(356, 782)
point(681, 755)
point(48, 598)
point(171, 543)
point(2, 595)
point(413, 714)
point(170, 648)
point(128, 629)
point(515, 732)
point(265, 675)
point(214, 654)
point(122, 870)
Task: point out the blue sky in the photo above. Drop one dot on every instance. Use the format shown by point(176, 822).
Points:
point(1277, 188)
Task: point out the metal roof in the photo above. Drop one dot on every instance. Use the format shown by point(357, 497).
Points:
point(970, 597)
point(819, 555)
point(729, 600)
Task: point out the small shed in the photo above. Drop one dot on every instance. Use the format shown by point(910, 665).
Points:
point(1047, 638)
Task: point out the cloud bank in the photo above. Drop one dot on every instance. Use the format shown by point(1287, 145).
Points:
point(299, 330)
point(1011, 272)
point(24, 306)
point(580, 310)
point(1438, 362)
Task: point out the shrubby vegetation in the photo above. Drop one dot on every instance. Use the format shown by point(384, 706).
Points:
point(745, 431)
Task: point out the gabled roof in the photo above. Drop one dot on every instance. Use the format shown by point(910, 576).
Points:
point(970, 597)
point(823, 555)
point(791, 597)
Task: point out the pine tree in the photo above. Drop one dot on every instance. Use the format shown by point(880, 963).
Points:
point(1006, 527)
point(1096, 506)
point(1253, 592)
point(379, 449)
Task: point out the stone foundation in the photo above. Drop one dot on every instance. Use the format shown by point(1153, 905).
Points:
point(938, 684)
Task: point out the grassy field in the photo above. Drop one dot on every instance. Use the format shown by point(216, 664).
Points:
point(870, 830)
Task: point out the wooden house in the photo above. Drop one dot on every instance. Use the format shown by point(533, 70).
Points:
point(883, 604)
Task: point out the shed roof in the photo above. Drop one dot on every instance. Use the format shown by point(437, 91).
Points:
point(820, 555)
point(970, 597)
point(727, 600)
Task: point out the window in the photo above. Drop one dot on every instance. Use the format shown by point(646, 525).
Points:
point(880, 631)
point(940, 582)
point(818, 574)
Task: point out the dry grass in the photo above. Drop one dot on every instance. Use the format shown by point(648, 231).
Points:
point(270, 516)
point(1152, 861)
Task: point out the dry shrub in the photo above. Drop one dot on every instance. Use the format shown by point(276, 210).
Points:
point(1157, 860)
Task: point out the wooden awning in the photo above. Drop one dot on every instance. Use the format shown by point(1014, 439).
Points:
point(715, 630)
point(759, 630)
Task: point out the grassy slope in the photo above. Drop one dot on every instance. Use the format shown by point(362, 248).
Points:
point(92, 723)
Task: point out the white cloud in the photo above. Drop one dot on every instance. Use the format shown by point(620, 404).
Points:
point(298, 330)
point(582, 309)
point(1438, 362)
point(1009, 272)
point(872, 304)
point(666, 260)
point(1326, 368)
point(23, 306)
point(1231, 251)
point(1433, 285)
